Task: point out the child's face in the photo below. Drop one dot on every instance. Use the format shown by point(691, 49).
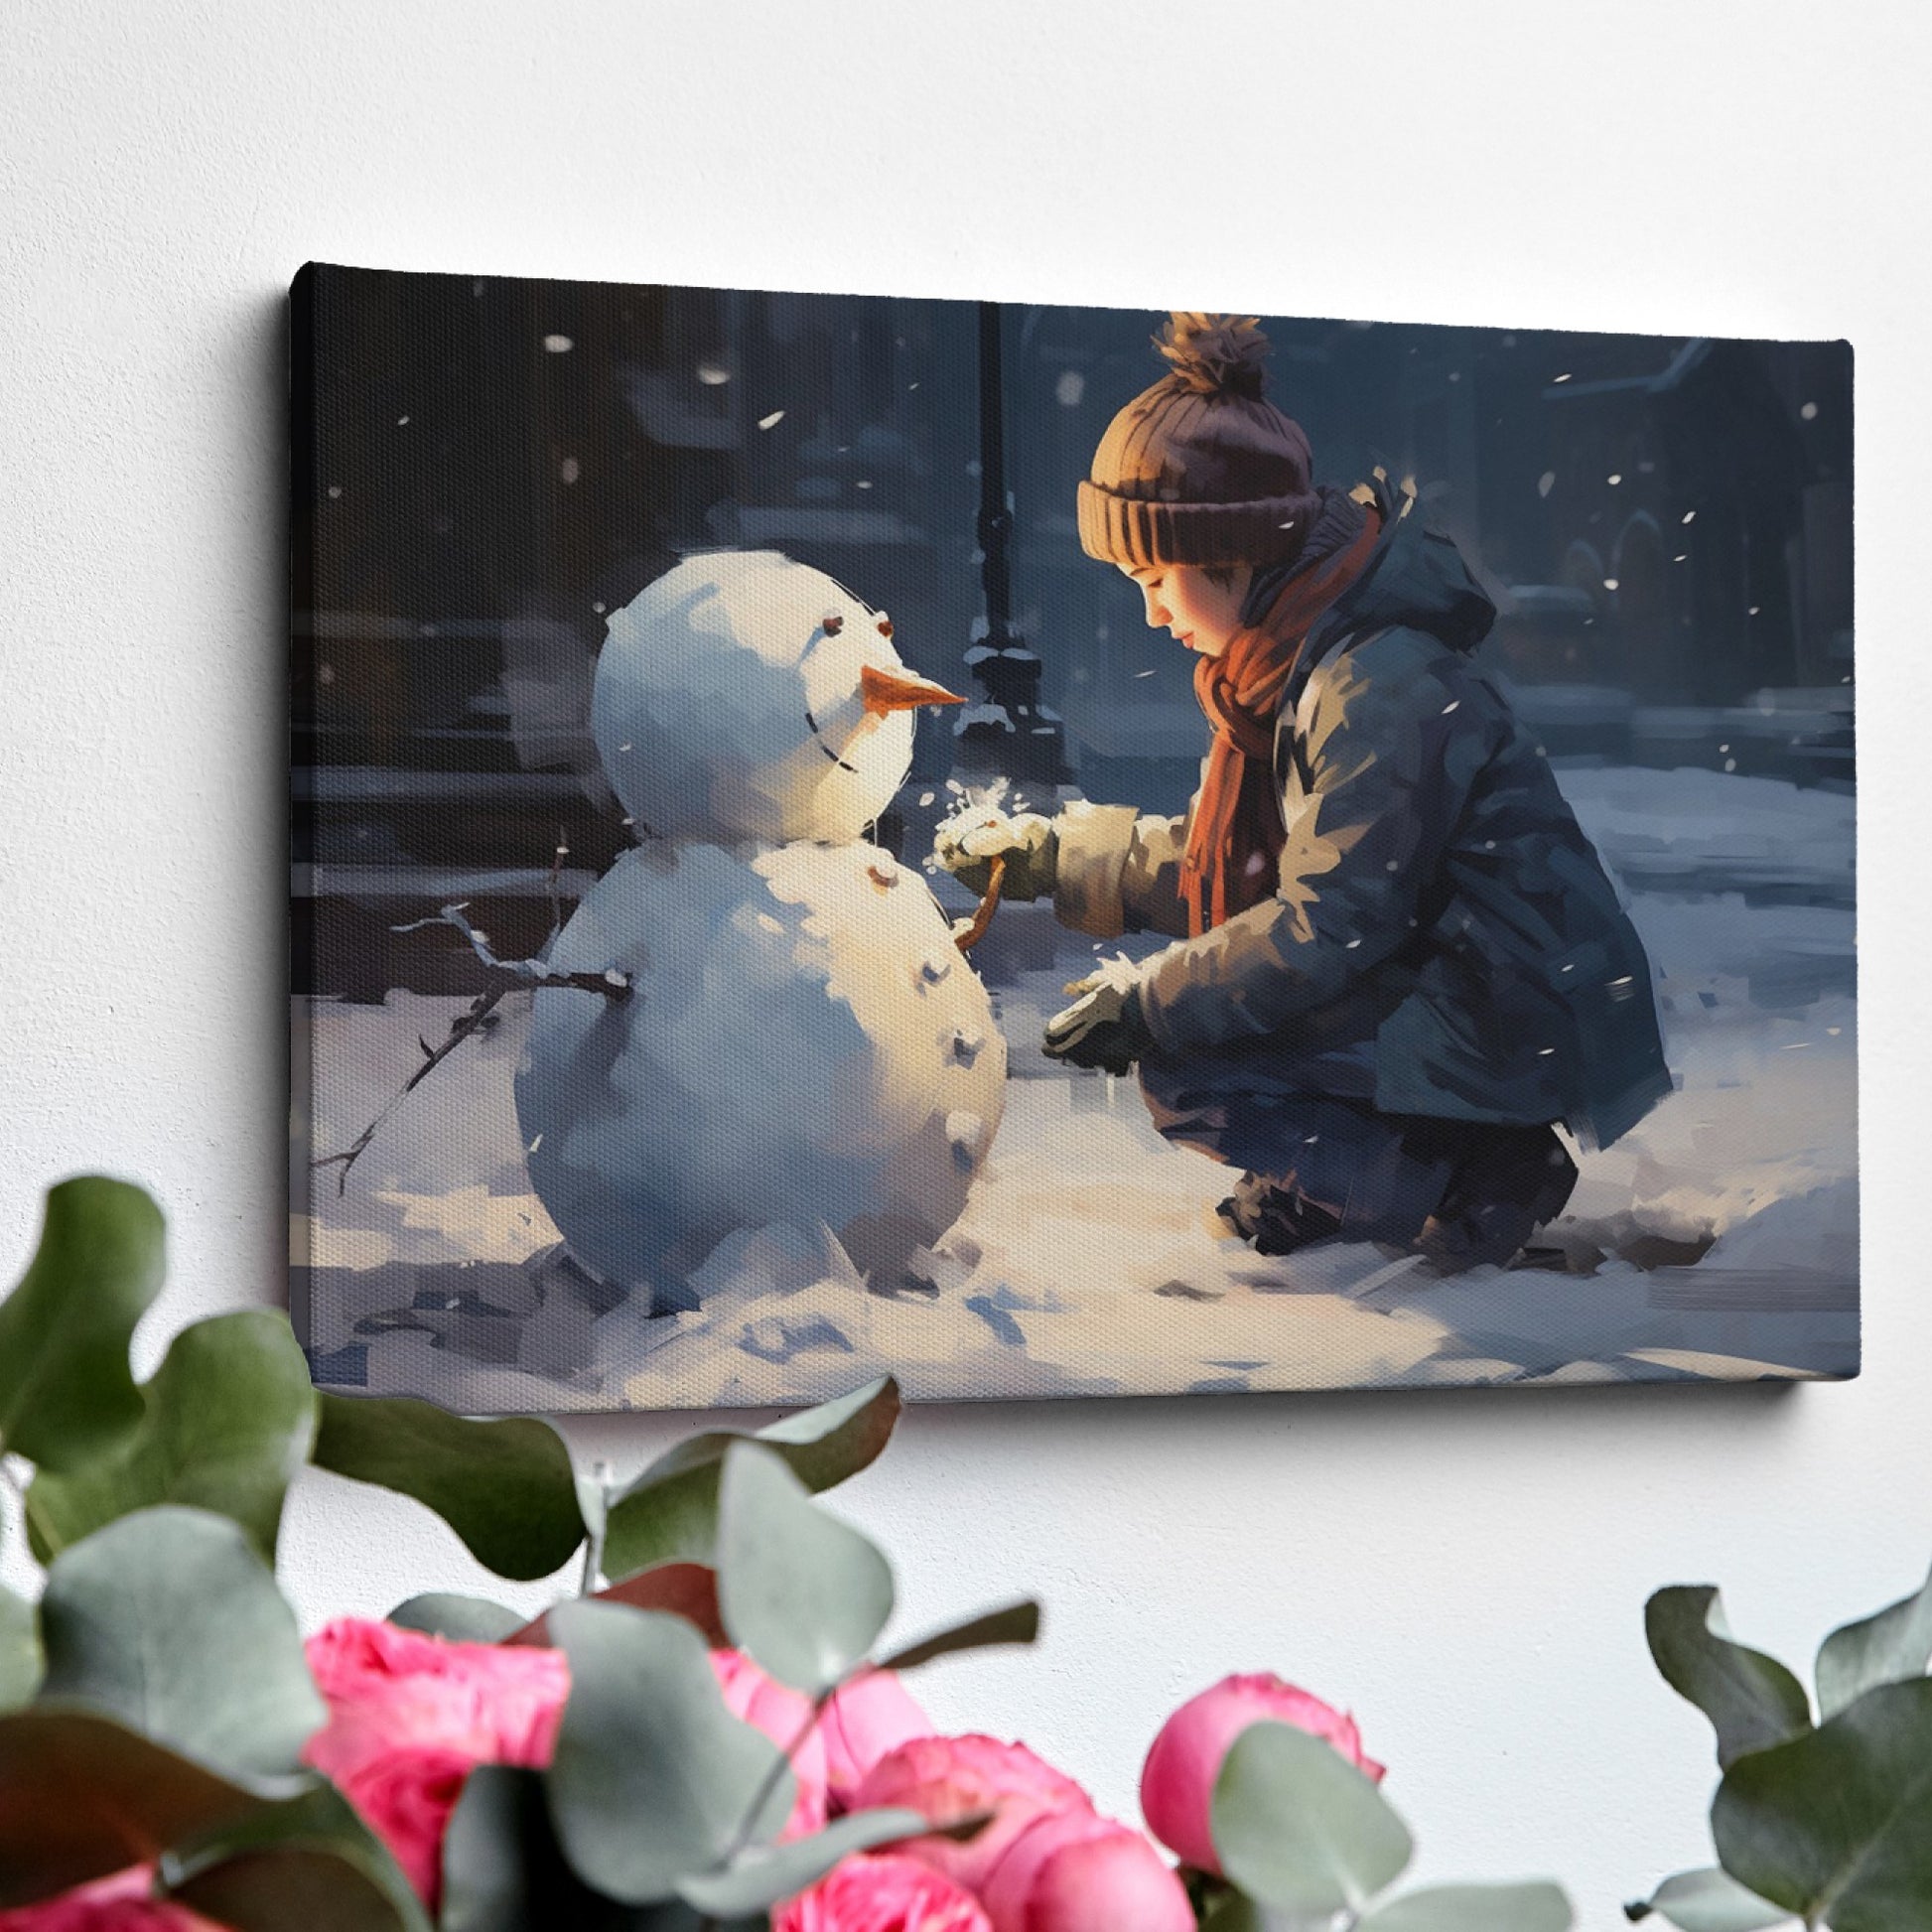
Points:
point(1190, 605)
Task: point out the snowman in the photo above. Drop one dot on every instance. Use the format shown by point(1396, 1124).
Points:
point(803, 1044)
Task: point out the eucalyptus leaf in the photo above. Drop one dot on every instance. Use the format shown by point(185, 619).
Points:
point(1751, 1700)
point(505, 1871)
point(669, 1513)
point(1233, 1911)
point(1894, 1645)
point(82, 1796)
point(801, 1593)
point(1014, 1624)
point(168, 1621)
point(686, 1590)
point(20, 1649)
point(67, 1393)
point(1299, 1829)
point(653, 1779)
point(1836, 1826)
point(1531, 1905)
point(308, 1863)
point(761, 1874)
point(1708, 1900)
point(507, 1488)
point(226, 1424)
point(502, 1869)
point(462, 1619)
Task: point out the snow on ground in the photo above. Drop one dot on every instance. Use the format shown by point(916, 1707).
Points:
point(1720, 1238)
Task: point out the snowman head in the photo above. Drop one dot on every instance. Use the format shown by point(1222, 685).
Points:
point(744, 696)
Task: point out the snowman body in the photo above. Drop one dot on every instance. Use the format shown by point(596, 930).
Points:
point(802, 1042)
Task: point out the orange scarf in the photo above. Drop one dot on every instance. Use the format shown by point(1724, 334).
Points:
point(1235, 838)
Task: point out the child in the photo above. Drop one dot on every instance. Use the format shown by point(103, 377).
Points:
point(1399, 962)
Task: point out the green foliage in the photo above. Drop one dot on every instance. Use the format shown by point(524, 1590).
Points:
point(1708, 1900)
point(167, 1621)
point(1883, 1649)
point(82, 1796)
point(307, 1862)
point(67, 1394)
point(507, 1488)
point(20, 1649)
point(1532, 1907)
point(653, 1779)
point(502, 1869)
point(1830, 1824)
point(669, 1514)
point(1751, 1700)
point(801, 1593)
point(1012, 1623)
point(762, 1874)
point(686, 1590)
point(463, 1620)
point(1837, 1826)
point(1299, 1827)
point(226, 1424)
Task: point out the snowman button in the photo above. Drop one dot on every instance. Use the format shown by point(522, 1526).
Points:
point(967, 1045)
point(884, 871)
point(936, 969)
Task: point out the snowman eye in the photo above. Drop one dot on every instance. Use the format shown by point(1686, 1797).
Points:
point(831, 623)
point(884, 624)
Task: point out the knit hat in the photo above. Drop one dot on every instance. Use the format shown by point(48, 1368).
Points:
point(1200, 468)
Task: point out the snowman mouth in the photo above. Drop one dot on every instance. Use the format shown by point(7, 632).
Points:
point(819, 739)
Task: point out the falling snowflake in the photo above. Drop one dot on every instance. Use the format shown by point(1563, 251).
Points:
point(710, 374)
point(569, 470)
point(558, 345)
point(772, 421)
point(1546, 483)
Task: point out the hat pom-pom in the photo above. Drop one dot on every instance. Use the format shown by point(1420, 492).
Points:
point(1215, 354)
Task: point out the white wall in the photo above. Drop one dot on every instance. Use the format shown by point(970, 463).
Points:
point(1467, 1571)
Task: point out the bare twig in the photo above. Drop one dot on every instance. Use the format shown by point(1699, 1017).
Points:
point(611, 985)
point(466, 1023)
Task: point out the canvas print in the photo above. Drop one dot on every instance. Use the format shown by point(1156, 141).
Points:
point(1059, 851)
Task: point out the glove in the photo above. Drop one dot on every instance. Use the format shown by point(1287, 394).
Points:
point(1103, 1028)
point(1032, 859)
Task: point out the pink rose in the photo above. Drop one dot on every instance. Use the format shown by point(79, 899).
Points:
point(948, 1778)
point(121, 1903)
point(882, 1892)
point(782, 1713)
point(409, 1715)
point(1067, 1872)
point(405, 1797)
point(387, 1687)
point(1177, 1781)
point(861, 1723)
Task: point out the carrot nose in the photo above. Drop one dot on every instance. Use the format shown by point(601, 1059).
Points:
point(885, 691)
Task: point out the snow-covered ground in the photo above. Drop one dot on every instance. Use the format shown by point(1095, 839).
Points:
point(1719, 1239)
